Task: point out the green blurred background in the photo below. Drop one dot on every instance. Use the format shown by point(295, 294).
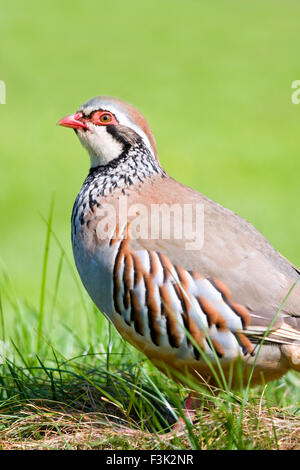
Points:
point(212, 77)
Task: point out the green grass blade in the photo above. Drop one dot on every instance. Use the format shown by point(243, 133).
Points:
point(44, 277)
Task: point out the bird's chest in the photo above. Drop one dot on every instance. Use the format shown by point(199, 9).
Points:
point(94, 255)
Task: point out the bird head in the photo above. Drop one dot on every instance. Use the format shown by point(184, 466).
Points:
point(108, 128)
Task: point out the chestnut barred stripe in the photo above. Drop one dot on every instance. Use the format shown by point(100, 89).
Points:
point(195, 276)
point(128, 264)
point(196, 334)
point(185, 305)
point(182, 276)
point(213, 316)
point(241, 312)
point(153, 310)
point(245, 343)
point(166, 266)
point(150, 262)
point(238, 309)
point(116, 281)
point(137, 269)
point(153, 263)
point(136, 315)
point(217, 347)
point(220, 286)
point(171, 320)
point(183, 297)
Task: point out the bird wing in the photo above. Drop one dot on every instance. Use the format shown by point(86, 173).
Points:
point(256, 277)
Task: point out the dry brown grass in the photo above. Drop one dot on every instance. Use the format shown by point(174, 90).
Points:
point(38, 427)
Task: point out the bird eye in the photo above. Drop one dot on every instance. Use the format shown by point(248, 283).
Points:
point(106, 118)
point(103, 118)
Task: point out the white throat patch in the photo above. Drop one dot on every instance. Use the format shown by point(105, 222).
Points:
point(100, 144)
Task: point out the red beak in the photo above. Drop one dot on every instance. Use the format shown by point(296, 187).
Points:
point(73, 121)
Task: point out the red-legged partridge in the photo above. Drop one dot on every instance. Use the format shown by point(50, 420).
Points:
point(184, 304)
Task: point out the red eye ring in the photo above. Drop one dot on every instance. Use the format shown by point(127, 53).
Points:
point(103, 118)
